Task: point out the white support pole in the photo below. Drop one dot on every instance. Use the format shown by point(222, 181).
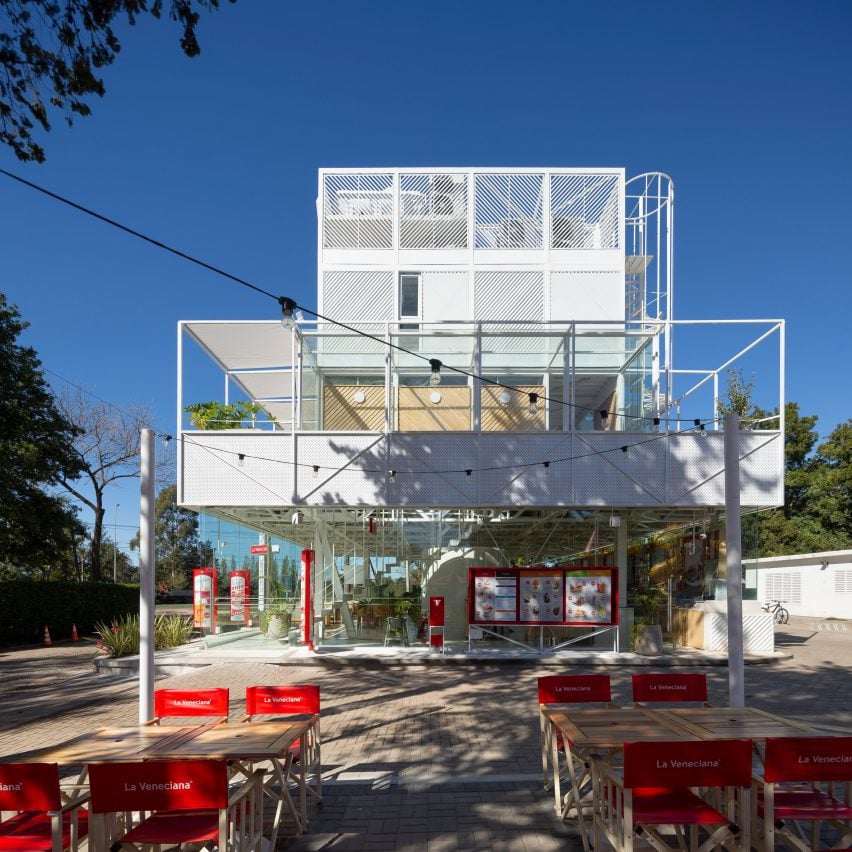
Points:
point(622, 636)
point(733, 541)
point(261, 573)
point(146, 578)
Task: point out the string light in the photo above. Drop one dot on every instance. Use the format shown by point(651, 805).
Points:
point(435, 378)
point(288, 307)
point(533, 403)
point(241, 459)
point(391, 475)
point(316, 471)
point(546, 466)
point(468, 471)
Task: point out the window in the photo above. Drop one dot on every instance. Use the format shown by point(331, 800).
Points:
point(409, 308)
point(409, 297)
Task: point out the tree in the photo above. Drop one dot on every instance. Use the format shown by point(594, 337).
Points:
point(107, 444)
point(52, 53)
point(177, 546)
point(37, 527)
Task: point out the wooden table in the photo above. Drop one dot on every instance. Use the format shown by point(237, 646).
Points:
point(247, 743)
point(241, 744)
point(602, 731)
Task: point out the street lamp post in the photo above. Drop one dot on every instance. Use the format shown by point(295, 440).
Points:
point(115, 543)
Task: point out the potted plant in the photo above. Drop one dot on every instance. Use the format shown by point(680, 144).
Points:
point(219, 415)
point(647, 638)
point(279, 616)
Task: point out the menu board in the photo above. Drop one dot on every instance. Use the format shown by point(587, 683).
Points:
point(495, 596)
point(553, 596)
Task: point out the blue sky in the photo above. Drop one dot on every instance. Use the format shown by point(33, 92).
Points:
point(745, 105)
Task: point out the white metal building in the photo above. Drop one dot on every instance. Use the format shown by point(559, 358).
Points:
point(815, 584)
point(489, 379)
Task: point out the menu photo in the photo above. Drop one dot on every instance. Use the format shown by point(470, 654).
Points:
point(588, 596)
point(542, 597)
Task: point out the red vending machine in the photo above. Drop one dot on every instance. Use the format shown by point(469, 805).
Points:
point(436, 623)
point(204, 599)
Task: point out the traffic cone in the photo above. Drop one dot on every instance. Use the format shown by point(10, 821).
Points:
point(74, 636)
point(47, 639)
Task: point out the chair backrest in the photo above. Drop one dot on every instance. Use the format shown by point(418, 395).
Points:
point(688, 763)
point(29, 787)
point(808, 759)
point(191, 702)
point(671, 686)
point(158, 785)
point(282, 700)
point(574, 689)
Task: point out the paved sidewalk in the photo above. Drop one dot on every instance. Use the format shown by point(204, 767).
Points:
point(418, 758)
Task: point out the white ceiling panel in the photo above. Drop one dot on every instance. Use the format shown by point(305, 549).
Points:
point(244, 345)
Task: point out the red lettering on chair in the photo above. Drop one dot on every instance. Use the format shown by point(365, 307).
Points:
point(556, 689)
point(671, 686)
point(158, 785)
point(682, 763)
point(808, 759)
point(29, 787)
point(301, 698)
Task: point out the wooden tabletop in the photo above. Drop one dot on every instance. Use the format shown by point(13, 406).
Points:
point(112, 744)
point(732, 723)
point(610, 728)
point(236, 741)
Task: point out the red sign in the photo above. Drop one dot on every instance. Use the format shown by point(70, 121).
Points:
point(436, 612)
point(258, 549)
point(307, 603)
point(240, 588)
point(555, 596)
point(204, 598)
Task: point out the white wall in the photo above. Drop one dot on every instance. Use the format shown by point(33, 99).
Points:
point(806, 587)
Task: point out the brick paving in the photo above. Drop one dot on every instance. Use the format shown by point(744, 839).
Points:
point(418, 757)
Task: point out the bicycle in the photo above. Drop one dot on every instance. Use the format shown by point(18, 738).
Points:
point(779, 614)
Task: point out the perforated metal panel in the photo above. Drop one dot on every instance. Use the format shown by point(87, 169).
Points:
point(433, 211)
point(587, 469)
point(358, 211)
point(584, 211)
point(509, 211)
point(586, 295)
point(757, 633)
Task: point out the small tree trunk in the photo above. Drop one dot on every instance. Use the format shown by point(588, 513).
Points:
point(97, 535)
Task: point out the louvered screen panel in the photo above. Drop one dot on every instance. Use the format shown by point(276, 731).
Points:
point(358, 211)
point(433, 211)
point(584, 211)
point(509, 295)
point(358, 296)
point(509, 211)
point(785, 587)
point(343, 412)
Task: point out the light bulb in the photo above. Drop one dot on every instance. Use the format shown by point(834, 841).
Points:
point(288, 307)
point(316, 471)
point(435, 378)
point(533, 403)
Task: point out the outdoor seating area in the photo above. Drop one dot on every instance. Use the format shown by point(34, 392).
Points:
point(673, 772)
point(236, 785)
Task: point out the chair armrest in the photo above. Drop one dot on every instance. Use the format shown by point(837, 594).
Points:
point(72, 804)
point(601, 768)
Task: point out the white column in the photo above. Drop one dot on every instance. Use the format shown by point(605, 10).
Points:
point(733, 541)
point(146, 578)
point(621, 562)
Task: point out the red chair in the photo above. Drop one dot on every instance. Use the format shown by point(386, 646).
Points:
point(657, 788)
point(157, 802)
point(170, 703)
point(567, 689)
point(37, 820)
point(803, 780)
point(671, 687)
point(301, 700)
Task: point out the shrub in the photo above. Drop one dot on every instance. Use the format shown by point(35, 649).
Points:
point(26, 606)
point(121, 638)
